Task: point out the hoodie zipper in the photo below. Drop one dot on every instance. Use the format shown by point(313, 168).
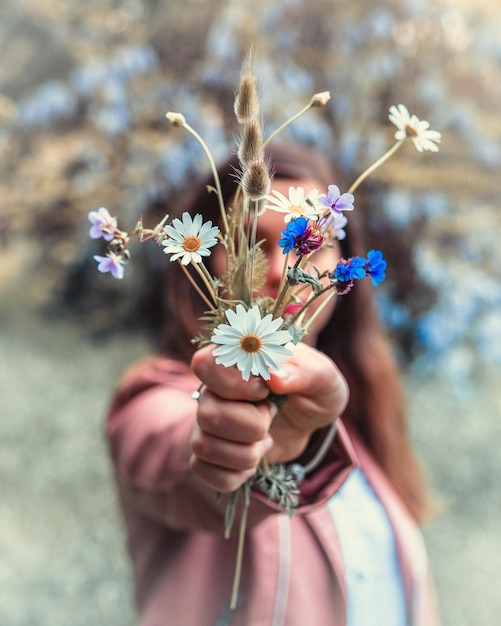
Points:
point(284, 569)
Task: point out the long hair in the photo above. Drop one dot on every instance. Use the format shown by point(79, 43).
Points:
point(353, 338)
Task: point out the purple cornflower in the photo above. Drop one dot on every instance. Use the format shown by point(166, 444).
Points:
point(336, 201)
point(112, 263)
point(308, 242)
point(350, 269)
point(337, 224)
point(376, 266)
point(103, 225)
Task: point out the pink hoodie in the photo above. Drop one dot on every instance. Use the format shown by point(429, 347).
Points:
point(183, 566)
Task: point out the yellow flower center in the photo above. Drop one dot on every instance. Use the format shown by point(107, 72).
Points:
point(251, 343)
point(191, 244)
point(411, 132)
point(296, 208)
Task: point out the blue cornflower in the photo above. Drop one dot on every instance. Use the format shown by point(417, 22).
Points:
point(295, 228)
point(351, 269)
point(342, 273)
point(376, 266)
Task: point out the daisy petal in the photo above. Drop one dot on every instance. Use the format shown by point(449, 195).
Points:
point(252, 343)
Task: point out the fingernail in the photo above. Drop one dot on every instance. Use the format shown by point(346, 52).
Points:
point(281, 373)
point(258, 386)
point(268, 444)
point(273, 410)
point(250, 472)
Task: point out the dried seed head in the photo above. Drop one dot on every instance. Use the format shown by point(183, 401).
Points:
point(176, 119)
point(320, 99)
point(256, 181)
point(247, 100)
point(251, 144)
point(158, 232)
point(139, 230)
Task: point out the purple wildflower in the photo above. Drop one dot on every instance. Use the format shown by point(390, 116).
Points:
point(337, 225)
point(336, 201)
point(103, 225)
point(112, 263)
point(376, 266)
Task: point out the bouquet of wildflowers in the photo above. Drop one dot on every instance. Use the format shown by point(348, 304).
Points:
point(251, 331)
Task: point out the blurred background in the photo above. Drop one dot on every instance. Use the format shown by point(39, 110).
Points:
point(84, 88)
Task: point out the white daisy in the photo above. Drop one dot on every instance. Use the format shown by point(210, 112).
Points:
point(411, 126)
point(296, 205)
point(253, 344)
point(189, 239)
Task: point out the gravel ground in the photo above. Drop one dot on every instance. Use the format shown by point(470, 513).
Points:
point(61, 539)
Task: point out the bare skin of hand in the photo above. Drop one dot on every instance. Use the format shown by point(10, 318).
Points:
point(236, 426)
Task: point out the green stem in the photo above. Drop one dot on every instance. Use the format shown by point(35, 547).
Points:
point(375, 165)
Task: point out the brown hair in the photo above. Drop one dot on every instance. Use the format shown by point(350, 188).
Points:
point(361, 350)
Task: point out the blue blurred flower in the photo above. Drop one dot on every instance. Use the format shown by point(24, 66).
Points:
point(51, 102)
point(376, 266)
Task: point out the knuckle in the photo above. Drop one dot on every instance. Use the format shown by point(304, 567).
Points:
point(260, 431)
point(208, 415)
point(199, 448)
point(209, 421)
point(202, 362)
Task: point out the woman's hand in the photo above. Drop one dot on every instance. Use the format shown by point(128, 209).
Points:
point(236, 427)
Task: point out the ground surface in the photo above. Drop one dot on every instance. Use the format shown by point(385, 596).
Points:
point(63, 560)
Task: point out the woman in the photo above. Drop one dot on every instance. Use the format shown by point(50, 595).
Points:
point(352, 553)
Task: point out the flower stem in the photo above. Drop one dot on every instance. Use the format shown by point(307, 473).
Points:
point(251, 246)
point(281, 295)
point(375, 165)
point(207, 278)
point(310, 301)
point(321, 306)
point(196, 287)
point(285, 124)
point(214, 173)
point(241, 542)
point(278, 308)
